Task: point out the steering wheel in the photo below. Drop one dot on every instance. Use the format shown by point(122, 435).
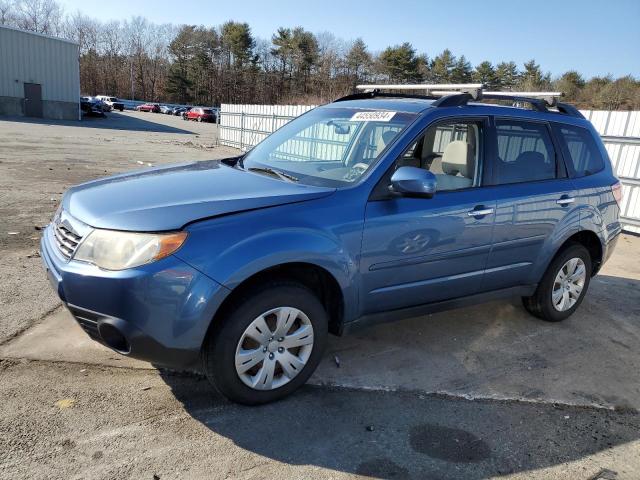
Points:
point(355, 171)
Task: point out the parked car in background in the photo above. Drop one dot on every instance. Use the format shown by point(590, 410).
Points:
point(112, 102)
point(178, 111)
point(166, 109)
point(241, 267)
point(148, 107)
point(92, 106)
point(201, 114)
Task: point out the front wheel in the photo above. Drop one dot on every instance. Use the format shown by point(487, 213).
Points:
point(269, 344)
point(563, 285)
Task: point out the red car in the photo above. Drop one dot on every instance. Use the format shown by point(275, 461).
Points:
point(201, 114)
point(148, 107)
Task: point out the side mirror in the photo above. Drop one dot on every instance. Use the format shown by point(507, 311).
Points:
point(413, 182)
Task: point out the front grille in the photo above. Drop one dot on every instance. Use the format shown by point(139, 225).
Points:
point(66, 240)
point(87, 320)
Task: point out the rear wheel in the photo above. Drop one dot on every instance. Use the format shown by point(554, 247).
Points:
point(563, 285)
point(269, 344)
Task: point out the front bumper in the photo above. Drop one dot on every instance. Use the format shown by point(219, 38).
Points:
point(159, 312)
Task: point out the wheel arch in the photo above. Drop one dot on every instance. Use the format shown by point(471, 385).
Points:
point(315, 277)
point(591, 241)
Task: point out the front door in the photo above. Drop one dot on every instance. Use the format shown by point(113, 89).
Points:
point(33, 100)
point(419, 250)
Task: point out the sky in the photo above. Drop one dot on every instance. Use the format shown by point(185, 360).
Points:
point(595, 37)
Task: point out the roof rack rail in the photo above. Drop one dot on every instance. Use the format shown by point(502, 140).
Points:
point(460, 94)
point(550, 98)
point(473, 89)
point(569, 110)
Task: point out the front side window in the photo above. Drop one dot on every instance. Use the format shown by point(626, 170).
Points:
point(328, 146)
point(451, 151)
point(525, 152)
point(582, 150)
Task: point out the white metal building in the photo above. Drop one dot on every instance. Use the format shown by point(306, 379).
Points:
point(39, 75)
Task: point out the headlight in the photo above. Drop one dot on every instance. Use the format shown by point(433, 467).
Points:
point(113, 250)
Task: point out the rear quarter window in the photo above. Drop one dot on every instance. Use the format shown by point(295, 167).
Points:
point(525, 152)
point(581, 150)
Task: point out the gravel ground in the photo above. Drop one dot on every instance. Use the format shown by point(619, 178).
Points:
point(106, 423)
point(39, 161)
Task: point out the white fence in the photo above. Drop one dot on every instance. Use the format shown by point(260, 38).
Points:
point(620, 132)
point(243, 126)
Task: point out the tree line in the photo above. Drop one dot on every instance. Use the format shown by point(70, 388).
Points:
point(195, 64)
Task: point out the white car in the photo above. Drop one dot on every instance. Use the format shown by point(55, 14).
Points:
point(112, 102)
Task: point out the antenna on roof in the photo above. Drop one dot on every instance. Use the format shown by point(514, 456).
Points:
point(473, 89)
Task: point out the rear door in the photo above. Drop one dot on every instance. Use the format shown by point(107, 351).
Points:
point(33, 100)
point(418, 250)
point(533, 195)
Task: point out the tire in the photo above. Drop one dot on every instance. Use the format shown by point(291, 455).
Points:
point(199, 119)
point(541, 303)
point(222, 344)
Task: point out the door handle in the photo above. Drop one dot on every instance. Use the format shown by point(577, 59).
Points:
point(480, 212)
point(565, 200)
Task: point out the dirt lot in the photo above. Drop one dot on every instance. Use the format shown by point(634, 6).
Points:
point(39, 161)
point(473, 393)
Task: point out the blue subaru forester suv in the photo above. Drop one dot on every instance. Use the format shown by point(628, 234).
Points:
point(374, 207)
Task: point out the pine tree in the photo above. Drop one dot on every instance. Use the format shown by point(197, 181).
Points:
point(442, 67)
point(358, 60)
point(485, 74)
point(400, 63)
point(462, 71)
point(507, 75)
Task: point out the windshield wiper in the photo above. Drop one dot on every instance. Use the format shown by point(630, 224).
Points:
point(274, 172)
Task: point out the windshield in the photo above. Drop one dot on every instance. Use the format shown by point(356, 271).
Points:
point(328, 146)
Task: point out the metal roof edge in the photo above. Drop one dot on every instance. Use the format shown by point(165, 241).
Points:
point(51, 37)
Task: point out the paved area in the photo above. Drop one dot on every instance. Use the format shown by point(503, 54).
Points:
point(479, 392)
point(40, 160)
point(75, 422)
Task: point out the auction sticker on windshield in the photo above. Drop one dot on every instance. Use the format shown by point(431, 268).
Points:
point(372, 116)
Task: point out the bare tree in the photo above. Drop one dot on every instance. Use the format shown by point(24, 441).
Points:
point(7, 13)
point(209, 65)
point(41, 16)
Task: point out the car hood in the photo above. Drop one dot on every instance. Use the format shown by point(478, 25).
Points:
point(167, 198)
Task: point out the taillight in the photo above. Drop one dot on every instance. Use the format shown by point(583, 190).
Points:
point(616, 189)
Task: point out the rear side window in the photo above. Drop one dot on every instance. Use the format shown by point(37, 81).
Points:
point(581, 149)
point(525, 152)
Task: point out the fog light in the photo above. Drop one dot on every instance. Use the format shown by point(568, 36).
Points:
point(113, 337)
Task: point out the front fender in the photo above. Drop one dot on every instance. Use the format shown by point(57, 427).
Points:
point(232, 249)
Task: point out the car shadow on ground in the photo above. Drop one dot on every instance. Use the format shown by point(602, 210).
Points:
point(408, 435)
point(112, 121)
point(405, 434)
